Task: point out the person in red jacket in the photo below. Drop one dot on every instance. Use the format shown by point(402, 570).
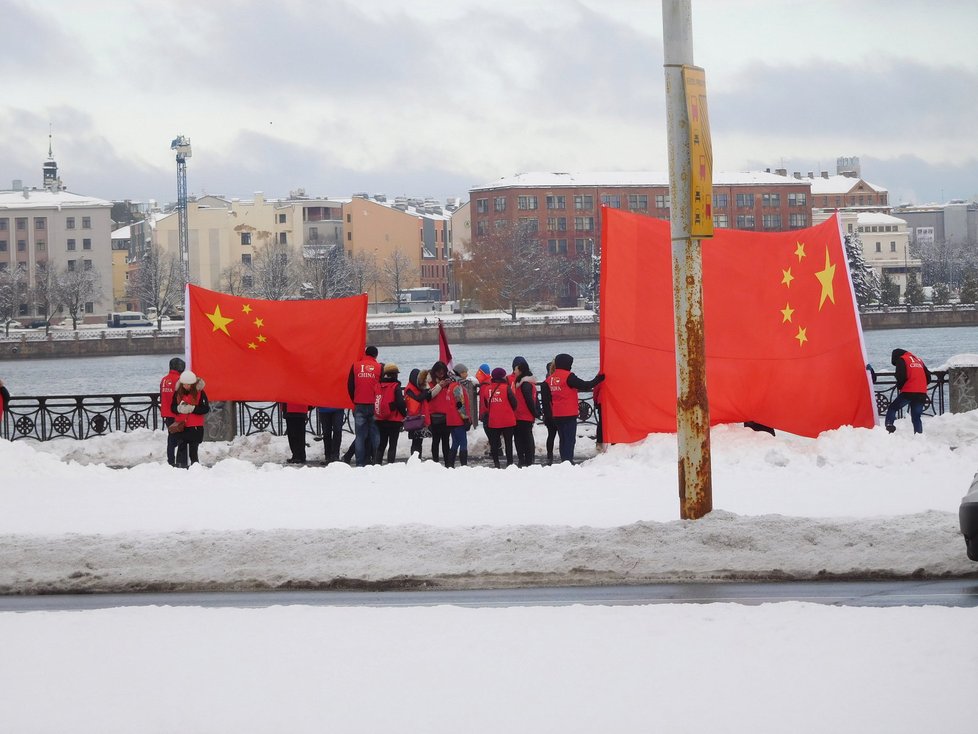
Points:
point(525, 388)
point(390, 413)
point(498, 411)
point(363, 385)
point(446, 408)
point(296, 415)
point(167, 385)
point(564, 386)
point(190, 405)
point(912, 377)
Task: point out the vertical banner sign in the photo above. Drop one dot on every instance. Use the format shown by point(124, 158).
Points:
point(700, 152)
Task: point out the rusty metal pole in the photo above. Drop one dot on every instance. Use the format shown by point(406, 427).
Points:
point(692, 408)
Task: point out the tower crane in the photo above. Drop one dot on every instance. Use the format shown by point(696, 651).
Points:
point(181, 144)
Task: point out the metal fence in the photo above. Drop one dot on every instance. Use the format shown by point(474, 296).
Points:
point(84, 416)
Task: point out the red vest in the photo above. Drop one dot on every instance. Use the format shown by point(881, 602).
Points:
point(412, 398)
point(523, 411)
point(385, 396)
point(167, 385)
point(444, 402)
point(366, 379)
point(296, 408)
point(501, 413)
point(191, 420)
point(916, 377)
point(563, 399)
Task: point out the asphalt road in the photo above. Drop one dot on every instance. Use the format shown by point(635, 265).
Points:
point(947, 593)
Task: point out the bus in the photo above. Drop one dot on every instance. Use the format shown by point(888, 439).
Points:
point(126, 319)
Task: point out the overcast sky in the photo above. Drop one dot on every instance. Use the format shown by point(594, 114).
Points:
point(432, 97)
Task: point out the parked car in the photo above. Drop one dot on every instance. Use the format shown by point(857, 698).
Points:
point(968, 517)
point(11, 325)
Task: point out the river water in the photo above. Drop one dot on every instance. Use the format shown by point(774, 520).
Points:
point(136, 374)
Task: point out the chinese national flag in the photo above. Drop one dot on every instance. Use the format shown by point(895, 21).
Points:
point(783, 340)
point(282, 351)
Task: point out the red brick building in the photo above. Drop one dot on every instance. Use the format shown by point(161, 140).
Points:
point(563, 210)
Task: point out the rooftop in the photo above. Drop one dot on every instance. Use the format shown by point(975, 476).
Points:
point(621, 179)
point(45, 199)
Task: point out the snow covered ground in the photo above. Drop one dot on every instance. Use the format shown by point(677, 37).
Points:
point(850, 503)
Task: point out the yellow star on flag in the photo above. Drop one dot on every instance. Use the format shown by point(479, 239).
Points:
point(252, 345)
point(219, 320)
point(801, 336)
point(246, 308)
point(262, 338)
point(259, 323)
point(788, 277)
point(800, 251)
point(825, 278)
point(786, 313)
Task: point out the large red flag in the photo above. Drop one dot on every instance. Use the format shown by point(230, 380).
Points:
point(783, 341)
point(295, 351)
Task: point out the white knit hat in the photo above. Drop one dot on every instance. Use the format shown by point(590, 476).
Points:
point(188, 378)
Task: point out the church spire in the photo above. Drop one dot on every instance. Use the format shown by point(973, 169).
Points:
point(50, 168)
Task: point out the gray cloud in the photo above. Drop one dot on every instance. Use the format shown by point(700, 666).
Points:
point(33, 44)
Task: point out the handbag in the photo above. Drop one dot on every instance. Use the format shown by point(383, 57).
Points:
point(413, 422)
point(176, 426)
point(439, 419)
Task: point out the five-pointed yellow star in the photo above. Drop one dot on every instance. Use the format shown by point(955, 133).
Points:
point(800, 251)
point(220, 321)
point(252, 345)
point(825, 278)
point(246, 308)
point(786, 312)
point(801, 336)
point(259, 323)
point(788, 277)
point(262, 338)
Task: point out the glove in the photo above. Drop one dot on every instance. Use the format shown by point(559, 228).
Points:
point(185, 408)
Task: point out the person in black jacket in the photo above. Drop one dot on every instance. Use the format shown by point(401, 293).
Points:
point(4, 400)
point(525, 387)
point(546, 404)
point(390, 417)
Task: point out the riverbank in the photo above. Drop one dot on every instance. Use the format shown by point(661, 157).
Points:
point(408, 330)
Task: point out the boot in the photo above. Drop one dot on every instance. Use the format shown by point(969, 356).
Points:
point(463, 457)
point(450, 458)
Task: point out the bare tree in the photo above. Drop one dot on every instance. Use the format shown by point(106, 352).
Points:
point(275, 272)
point(508, 268)
point(326, 270)
point(232, 280)
point(44, 294)
point(396, 273)
point(157, 281)
point(13, 292)
point(364, 272)
point(77, 287)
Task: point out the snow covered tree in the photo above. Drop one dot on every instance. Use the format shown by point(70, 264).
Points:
point(13, 292)
point(76, 287)
point(914, 295)
point(44, 294)
point(274, 271)
point(326, 271)
point(157, 281)
point(865, 281)
point(969, 289)
point(942, 294)
point(397, 273)
point(889, 291)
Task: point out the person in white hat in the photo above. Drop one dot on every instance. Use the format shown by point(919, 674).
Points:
point(189, 405)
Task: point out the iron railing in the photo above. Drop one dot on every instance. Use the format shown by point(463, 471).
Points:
point(46, 418)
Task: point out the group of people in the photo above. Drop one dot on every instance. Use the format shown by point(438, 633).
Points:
point(447, 404)
point(183, 405)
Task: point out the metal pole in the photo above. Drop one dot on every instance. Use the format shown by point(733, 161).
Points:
point(692, 407)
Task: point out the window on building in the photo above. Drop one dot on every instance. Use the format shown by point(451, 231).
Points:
point(892, 246)
point(281, 218)
point(580, 246)
point(798, 221)
point(71, 245)
point(40, 222)
point(21, 223)
point(21, 245)
point(283, 238)
point(745, 201)
point(879, 247)
point(557, 223)
point(3, 245)
point(526, 202)
point(499, 204)
point(246, 258)
point(482, 227)
point(529, 224)
point(611, 200)
point(638, 202)
point(662, 201)
point(771, 200)
point(86, 222)
point(720, 220)
point(71, 266)
point(584, 201)
point(771, 221)
point(40, 245)
point(69, 223)
point(557, 246)
point(349, 218)
point(246, 238)
point(247, 281)
point(500, 224)
point(88, 264)
point(3, 266)
point(89, 307)
point(482, 206)
point(838, 202)
point(314, 233)
point(745, 221)
point(86, 244)
point(555, 202)
point(349, 237)
point(584, 224)
point(3, 225)
point(719, 201)
point(797, 199)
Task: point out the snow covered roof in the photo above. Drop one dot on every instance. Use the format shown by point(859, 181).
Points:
point(864, 218)
point(621, 179)
point(46, 199)
point(839, 185)
point(123, 233)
